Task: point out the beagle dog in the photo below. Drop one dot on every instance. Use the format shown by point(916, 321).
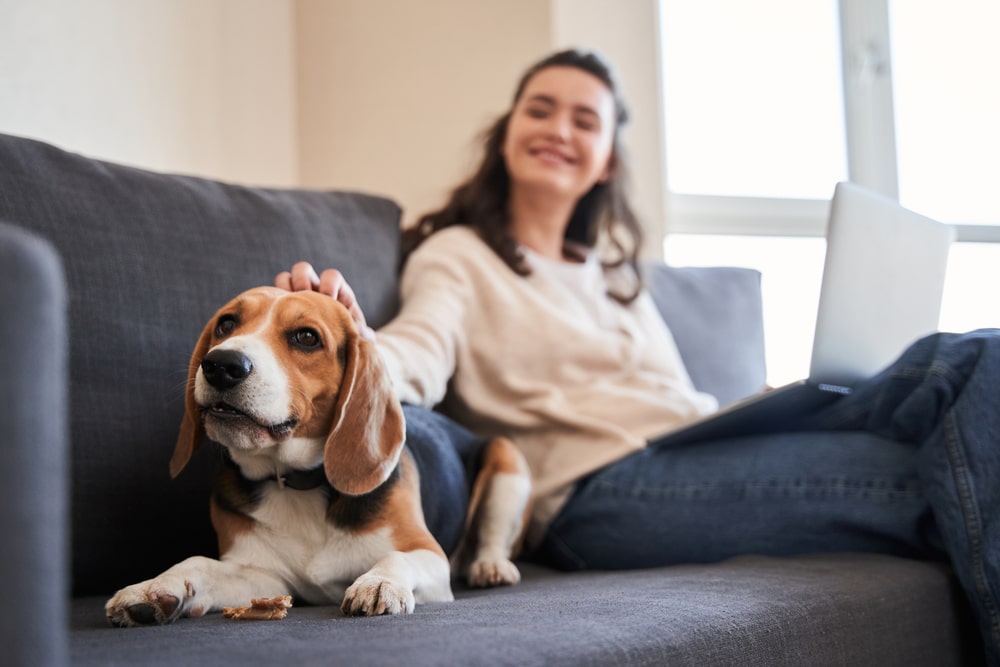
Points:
point(317, 496)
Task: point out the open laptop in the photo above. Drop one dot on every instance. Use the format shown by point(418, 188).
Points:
point(882, 285)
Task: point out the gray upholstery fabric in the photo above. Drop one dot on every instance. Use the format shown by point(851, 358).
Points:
point(148, 259)
point(825, 610)
point(33, 451)
point(716, 317)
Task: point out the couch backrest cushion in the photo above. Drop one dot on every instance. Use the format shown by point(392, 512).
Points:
point(148, 259)
point(716, 317)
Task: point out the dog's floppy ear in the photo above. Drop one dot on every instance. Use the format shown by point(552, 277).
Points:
point(192, 431)
point(367, 434)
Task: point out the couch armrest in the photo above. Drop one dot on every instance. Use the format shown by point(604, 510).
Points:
point(715, 315)
point(33, 459)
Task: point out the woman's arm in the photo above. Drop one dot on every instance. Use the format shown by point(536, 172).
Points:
point(421, 344)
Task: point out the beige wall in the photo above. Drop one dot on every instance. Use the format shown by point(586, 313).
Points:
point(385, 96)
point(393, 93)
point(197, 86)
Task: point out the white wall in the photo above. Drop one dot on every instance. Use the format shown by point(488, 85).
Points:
point(197, 86)
point(385, 96)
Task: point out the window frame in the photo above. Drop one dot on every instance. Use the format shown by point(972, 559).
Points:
point(870, 139)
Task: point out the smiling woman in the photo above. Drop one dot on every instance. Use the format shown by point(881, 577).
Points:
point(568, 109)
point(559, 143)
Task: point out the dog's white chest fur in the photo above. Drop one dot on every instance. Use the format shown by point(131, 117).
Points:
point(318, 559)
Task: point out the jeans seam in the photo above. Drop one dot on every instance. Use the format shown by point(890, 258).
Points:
point(939, 368)
point(889, 492)
point(555, 541)
point(973, 527)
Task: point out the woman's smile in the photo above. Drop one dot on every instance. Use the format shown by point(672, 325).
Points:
point(552, 155)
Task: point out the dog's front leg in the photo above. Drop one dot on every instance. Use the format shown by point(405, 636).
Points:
point(193, 587)
point(397, 582)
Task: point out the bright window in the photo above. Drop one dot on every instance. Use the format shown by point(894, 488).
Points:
point(753, 98)
point(791, 270)
point(947, 98)
point(757, 134)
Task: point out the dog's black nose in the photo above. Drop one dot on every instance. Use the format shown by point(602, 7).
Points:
point(224, 369)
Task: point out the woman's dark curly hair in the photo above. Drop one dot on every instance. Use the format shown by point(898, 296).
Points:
point(603, 215)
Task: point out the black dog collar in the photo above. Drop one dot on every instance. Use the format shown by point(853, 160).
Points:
point(302, 480)
point(299, 480)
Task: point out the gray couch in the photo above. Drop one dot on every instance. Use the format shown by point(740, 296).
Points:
point(107, 274)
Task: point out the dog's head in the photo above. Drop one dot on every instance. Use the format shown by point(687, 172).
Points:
point(272, 366)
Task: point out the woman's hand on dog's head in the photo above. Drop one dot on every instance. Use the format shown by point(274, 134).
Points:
point(330, 282)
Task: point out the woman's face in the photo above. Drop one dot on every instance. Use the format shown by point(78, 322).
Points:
point(560, 135)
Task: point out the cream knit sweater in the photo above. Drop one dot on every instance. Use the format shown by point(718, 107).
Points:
point(575, 379)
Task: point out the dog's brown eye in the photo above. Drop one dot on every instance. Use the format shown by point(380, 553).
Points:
point(306, 338)
point(225, 326)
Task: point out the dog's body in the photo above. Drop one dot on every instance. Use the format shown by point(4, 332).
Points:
point(317, 497)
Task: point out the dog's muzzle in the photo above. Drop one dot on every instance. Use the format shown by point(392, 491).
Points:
point(225, 370)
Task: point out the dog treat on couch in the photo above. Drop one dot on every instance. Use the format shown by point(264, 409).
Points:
point(261, 609)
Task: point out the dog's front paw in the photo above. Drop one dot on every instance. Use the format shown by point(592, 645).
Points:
point(153, 602)
point(372, 595)
point(486, 573)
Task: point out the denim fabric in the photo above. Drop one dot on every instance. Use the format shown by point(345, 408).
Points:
point(447, 456)
point(907, 464)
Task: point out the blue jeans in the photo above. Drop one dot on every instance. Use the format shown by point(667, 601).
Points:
point(447, 456)
point(907, 464)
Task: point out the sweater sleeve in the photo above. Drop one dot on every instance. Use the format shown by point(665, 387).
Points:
point(419, 345)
